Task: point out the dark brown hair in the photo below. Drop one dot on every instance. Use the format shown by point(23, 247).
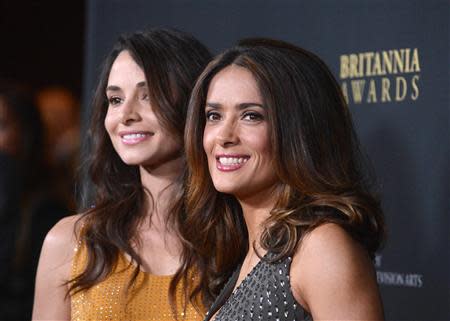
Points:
point(171, 61)
point(322, 173)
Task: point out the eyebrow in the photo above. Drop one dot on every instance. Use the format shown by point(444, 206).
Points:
point(239, 106)
point(140, 84)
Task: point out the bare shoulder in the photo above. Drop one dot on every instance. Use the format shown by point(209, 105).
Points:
point(330, 266)
point(59, 245)
point(50, 299)
point(334, 245)
point(62, 235)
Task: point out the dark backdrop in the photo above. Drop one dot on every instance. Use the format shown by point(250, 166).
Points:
point(401, 111)
point(42, 43)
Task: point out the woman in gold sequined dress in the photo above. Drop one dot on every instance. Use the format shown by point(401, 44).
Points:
point(123, 258)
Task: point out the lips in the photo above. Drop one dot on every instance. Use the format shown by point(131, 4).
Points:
point(227, 163)
point(133, 138)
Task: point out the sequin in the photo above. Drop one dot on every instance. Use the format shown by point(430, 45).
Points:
point(109, 300)
point(266, 287)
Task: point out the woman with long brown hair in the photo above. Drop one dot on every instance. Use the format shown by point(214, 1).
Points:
point(277, 187)
point(122, 258)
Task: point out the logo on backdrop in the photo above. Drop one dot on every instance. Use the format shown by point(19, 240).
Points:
point(380, 76)
point(412, 280)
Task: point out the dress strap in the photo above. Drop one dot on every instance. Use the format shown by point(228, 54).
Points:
point(224, 294)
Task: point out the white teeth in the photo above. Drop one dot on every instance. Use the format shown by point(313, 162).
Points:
point(133, 136)
point(232, 160)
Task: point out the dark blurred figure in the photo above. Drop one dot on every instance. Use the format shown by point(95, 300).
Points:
point(60, 114)
point(28, 206)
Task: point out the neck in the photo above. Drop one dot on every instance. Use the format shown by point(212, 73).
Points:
point(256, 209)
point(160, 183)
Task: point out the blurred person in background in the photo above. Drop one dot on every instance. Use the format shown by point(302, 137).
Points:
point(27, 207)
point(60, 114)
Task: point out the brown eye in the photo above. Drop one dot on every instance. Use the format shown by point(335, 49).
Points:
point(114, 100)
point(252, 116)
point(212, 116)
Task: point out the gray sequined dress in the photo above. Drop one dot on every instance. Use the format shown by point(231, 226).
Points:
point(264, 294)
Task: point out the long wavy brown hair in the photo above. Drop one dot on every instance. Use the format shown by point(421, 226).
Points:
point(323, 175)
point(171, 61)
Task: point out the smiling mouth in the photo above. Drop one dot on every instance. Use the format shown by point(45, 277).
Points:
point(135, 138)
point(231, 163)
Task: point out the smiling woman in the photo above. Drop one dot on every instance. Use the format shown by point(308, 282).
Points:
point(123, 259)
point(135, 131)
point(236, 137)
point(279, 191)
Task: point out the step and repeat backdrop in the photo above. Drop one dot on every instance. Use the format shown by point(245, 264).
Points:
point(392, 60)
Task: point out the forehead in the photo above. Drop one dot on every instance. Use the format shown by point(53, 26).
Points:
point(234, 84)
point(124, 70)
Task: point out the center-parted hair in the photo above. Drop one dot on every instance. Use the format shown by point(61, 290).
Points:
point(171, 61)
point(322, 173)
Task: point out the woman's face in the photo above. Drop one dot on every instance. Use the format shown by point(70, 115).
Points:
point(10, 142)
point(135, 132)
point(236, 137)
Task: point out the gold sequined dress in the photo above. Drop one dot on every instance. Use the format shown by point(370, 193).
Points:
point(147, 299)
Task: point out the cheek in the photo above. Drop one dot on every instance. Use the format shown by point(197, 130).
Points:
point(208, 140)
point(108, 123)
point(260, 142)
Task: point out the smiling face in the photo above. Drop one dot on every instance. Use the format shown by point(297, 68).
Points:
point(134, 130)
point(236, 137)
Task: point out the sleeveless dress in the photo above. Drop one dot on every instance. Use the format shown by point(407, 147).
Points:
point(264, 294)
point(147, 299)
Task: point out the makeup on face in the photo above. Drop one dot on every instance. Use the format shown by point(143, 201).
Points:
point(236, 136)
point(132, 125)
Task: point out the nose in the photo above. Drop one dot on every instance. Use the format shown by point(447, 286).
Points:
point(129, 112)
point(228, 133)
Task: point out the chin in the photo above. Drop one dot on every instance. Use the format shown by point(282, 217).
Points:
point(227, 188)
point(132, 161)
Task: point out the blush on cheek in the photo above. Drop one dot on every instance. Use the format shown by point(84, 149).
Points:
point(206, 142)
point(211, 163)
